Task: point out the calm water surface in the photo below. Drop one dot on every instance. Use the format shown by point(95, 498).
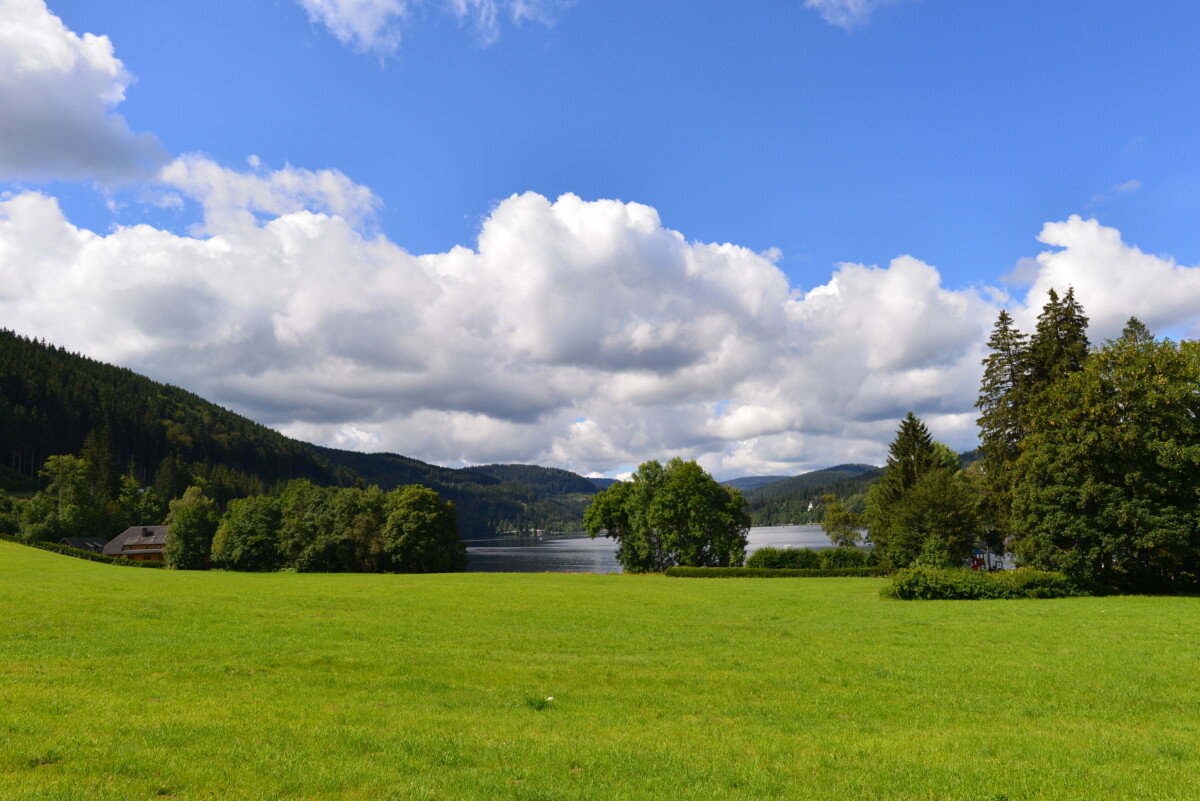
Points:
point(578, 553)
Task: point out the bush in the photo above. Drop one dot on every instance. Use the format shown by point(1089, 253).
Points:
point(779, 558)
point(834, 558)
point(808, 559)
point(926, 583)
point(764, 572)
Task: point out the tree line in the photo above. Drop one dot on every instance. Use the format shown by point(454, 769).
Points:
point(1090, 460)
point(318, 529)
point(300, 526)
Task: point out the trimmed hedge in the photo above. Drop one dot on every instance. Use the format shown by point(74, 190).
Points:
point(928, 584)
point(789, 558)
point(765, 572)
point(79, 553)
point(808, 559)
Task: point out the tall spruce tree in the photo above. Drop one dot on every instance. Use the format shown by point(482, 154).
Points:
point(1059, 346)
point(1017, 372)
point(1136, 333)
point(1001, 404)
point(912, 455)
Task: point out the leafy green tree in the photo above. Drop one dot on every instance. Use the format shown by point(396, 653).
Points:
point(937, 522)
point(304, 521)
point(673, 515)
point(10, 518)
point(1106, 485)
point(38, 519)
point(421, 533)
point(358, 517)
point(839, 523)
point(327, 529)
point(64, 508)
point(248, 535)
point(138, 506)
point(67, 482)
point(192, 522)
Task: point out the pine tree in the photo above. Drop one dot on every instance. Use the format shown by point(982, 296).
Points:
point(1136, 333)
point(1106, 483)
point(1002, 410)
point(1059, 346)
point(911, 455)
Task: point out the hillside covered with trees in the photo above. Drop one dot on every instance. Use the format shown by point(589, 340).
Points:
point(797, 500)
point(121, 446)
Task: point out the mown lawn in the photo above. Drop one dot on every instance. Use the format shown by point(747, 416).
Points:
point(119, 683)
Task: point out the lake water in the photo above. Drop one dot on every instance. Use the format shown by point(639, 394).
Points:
point(578, 553)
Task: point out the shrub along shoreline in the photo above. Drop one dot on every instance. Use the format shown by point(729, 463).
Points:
point(964, 584)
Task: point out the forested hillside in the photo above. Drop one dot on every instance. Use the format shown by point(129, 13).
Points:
point(53, 402)
point(747, 483)
point(50, 400)
point(798, 499)
point(546, 481)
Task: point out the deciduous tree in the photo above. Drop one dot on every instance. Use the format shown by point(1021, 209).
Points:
point(672, 515)
point(839, 523)
point(421, 533)
point(191, 524)
point(248, 535)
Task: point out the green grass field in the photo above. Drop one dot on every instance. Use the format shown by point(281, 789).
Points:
point(118, 683)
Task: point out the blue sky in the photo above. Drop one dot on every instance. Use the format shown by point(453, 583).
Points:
point(829, 137)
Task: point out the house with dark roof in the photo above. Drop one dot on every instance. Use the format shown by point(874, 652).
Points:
point(93, 544)
point(139, 543)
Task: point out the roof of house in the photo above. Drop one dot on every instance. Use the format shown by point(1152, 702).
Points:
point(142, 539)
point(94, 544)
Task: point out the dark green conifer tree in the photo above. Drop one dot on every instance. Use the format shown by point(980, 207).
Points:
point(1059, 346)
point(1001, 404)
point(911, 455)
point(1106, 484)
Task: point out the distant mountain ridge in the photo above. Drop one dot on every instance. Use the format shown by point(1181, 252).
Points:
point(751, 482)
point(815, 478)
point(798, 499)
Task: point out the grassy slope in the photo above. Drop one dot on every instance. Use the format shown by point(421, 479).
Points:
point(129, 684)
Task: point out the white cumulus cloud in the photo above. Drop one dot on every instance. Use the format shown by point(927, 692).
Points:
point(1114, 280)
point(577, 333)
point(231, 199)
point(58, 92)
